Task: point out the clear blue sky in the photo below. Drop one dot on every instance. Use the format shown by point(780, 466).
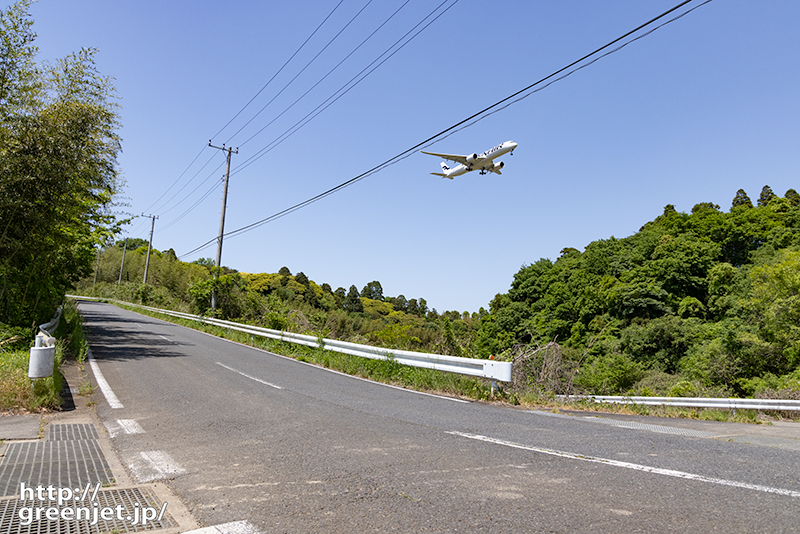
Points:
point(691, 113)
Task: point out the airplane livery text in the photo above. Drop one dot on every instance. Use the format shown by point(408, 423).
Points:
point(473, 162)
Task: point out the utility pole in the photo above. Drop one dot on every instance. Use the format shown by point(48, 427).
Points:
point(218, 263)
point(149, 246)
point(124, 250)
point(96, 268)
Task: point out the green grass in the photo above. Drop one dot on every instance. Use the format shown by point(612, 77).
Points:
point(386, 371)
point(432, 381)
point(17, 391)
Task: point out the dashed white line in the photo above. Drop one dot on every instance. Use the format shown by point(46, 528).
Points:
point(153, 465)
point(108, 393)
point(320, 368)
point(236, 527)
point(637, 467)
point(248, 376)
point(130, 426)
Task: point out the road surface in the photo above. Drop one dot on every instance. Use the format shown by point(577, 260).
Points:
point(242, 434)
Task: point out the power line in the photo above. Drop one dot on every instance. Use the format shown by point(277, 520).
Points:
point(327, 103)
point(299, 73)
point(280, 69)
point(345, 89)
point(519, 95)
point(240, 112)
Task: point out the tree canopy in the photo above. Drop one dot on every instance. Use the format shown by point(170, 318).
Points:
point(58, 175)
point(711, 296)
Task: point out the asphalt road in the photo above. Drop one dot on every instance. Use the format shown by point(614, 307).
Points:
point(242, 434)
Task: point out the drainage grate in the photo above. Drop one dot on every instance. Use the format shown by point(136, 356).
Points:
point(64, 464)
point(125, 503)
point(72, 432)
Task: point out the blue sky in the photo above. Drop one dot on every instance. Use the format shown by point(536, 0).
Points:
point(690, 113)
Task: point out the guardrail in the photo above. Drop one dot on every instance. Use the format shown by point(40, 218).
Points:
point(491, 369)
point(696, 402)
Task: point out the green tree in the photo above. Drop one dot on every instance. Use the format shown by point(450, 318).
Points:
point(741, 199)
point(58, 177)
point(766, 196)
point(352, 302)
point(373, 290)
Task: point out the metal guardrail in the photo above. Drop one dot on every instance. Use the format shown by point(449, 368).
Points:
point(696, 402)
point(491, 369)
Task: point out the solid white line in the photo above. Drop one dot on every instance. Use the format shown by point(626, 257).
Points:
point(637, 467)
point(112, 399)
point(248, 376)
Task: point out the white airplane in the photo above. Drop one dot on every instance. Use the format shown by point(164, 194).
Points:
point(474, 162)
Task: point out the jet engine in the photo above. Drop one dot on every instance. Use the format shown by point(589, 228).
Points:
point(497, 165)
point(471, 158)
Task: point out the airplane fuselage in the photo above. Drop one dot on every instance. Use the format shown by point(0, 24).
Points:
point(499, 150)
point(483, 162)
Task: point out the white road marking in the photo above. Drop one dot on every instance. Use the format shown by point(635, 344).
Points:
point(236, 527)
point(320, 367)
point(637, 467)
point(153, 465)
point(130, 426)
point(125, 426)
point(108, 393)
point(248, 376)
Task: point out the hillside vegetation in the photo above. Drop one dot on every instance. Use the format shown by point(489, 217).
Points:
point(700, 303)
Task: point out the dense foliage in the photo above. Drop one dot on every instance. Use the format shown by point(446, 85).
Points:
point(702, 302)
point(281, 300)
point(58, 148)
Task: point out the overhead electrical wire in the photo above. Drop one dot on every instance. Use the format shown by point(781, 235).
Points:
point(343, 90)
point(199, 201)
point(299, 73)
point(196, 204)
point(515, 97)
point(242, 110)
point(280, 69)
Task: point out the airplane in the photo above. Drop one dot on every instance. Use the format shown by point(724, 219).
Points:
point(483, 162)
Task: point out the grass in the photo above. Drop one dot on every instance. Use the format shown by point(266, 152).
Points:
point(702, 414)
point(432, 381)
point(20, 393)
point(386, 371)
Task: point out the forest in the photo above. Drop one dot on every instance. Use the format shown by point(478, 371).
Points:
point(701, 303)
point(705, 303)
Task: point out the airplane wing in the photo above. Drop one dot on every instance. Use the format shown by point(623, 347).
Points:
point(451, 157)
point(494, 170)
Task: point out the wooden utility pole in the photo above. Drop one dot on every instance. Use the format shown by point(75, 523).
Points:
point(218, 262)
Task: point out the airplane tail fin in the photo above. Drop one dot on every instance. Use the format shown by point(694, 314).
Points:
point(445, 168)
